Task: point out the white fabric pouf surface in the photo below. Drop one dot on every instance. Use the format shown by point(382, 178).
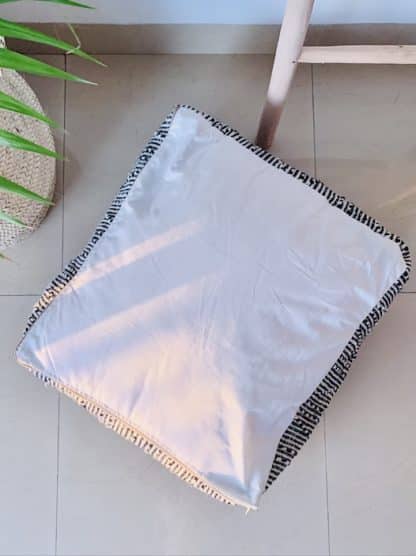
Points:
point(217, 308)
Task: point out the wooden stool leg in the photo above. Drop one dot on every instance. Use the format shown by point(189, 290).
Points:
point(292, 36)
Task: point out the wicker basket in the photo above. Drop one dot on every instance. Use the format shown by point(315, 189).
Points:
point(31, 170)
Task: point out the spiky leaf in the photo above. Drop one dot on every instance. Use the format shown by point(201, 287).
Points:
point(15, 188)
point(8, 139)
point(64, 2)
point(26, 64)
point(7, 218)
point(18, 31)
point(7, 102)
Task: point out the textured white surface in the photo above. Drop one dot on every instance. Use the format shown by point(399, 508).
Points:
point(214, 305)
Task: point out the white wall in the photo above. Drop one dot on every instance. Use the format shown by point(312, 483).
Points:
point(212, 11)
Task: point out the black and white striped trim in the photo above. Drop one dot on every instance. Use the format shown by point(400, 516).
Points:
point(309, 413)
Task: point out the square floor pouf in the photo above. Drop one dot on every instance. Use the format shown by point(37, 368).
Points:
point(217, 308)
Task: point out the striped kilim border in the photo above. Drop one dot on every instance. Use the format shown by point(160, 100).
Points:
point(309, 413)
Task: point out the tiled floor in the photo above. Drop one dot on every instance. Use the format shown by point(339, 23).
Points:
point(67, 485)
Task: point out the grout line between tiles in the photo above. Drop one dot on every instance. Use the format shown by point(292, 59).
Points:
point(324, 416)
point(57, 473)
point(313, 122)
point(63, 167)
point(58, 436)
point(327, 490)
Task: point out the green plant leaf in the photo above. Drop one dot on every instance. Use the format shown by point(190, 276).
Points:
point(64, 2)
point(18, 31)
point(12, 187)
point(7, 218)
point(8, 139)
point(7, 102)
point(26, 64)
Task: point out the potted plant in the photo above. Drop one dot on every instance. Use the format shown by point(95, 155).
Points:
point(27, 152)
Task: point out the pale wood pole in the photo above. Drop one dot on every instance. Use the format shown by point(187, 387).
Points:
point(359, 54)
point(292, 36)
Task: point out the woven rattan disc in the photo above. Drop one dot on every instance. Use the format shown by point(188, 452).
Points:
point(31, 170)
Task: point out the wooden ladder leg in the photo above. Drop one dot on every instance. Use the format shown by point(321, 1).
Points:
point(292, 36)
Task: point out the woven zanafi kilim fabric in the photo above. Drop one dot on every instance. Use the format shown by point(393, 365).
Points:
point(217, 308)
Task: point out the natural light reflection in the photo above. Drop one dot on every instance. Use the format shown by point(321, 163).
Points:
point(146, 247)
point(119, 325)
point(401, 206)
